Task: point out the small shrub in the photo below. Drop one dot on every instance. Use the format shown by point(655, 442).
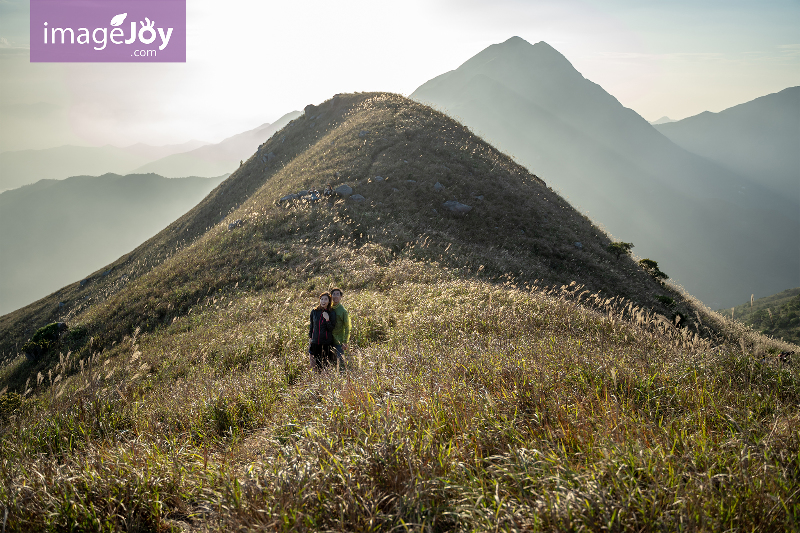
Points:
point(651, 267)
point(50, 332)
point(43, 340)
point(666, 300)
point(619, 248)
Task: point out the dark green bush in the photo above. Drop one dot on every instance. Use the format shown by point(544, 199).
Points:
point(619, 248)
point(50, 332)
point(43, 340)
point(666, 300)
point(651, 267)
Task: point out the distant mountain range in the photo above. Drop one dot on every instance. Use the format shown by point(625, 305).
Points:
point(56, 232)
point(663, 120)
point(759, 139)
point(194, 158)
point(29, 166)
point(718, 233)
point(216, 159)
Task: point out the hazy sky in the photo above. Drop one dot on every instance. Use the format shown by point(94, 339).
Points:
point(249, 62)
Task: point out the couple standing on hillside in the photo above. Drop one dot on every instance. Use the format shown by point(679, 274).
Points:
point(328, 331)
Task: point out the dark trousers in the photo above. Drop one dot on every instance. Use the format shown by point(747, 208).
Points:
point(322, 356)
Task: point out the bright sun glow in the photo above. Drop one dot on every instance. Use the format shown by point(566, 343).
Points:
point(251, 62)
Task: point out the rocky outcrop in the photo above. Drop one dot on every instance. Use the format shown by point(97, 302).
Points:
point(457, 207)
point(343, 190)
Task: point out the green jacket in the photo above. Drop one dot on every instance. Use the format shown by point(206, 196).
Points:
point(341, 332)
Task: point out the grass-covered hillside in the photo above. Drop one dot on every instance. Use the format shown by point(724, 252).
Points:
point(500, 376)
point(518, 229)
point(777, 316)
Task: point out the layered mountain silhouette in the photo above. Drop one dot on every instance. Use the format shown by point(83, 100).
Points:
point(216, 159)
point(663, 120)
point(718, 233)
point(424, 197)
point(758, 139)
point(24, 167)
point(58, 231)
point(194, 158)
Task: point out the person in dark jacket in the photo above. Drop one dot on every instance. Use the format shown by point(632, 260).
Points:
point(320, 334)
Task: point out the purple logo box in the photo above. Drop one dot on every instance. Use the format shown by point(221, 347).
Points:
point(104, 31)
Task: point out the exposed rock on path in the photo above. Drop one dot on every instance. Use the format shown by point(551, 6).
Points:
point(457, 207)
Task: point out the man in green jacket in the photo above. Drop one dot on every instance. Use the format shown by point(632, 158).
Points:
point(341, 331)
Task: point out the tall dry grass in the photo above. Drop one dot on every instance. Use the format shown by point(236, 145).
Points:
point(500, 376)
point(465, 405)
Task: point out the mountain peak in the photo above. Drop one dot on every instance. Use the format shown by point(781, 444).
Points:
point(515, 41)
point(544, 47)
point(529, 100)
point(540, 49)
point(520, 42)
point(663, 120)
point(515, 63)
point(528, 52)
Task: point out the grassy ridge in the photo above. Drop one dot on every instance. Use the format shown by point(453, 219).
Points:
point(501, 377)
point(466, 405)
point(777, 316)
point(518, 229)
point(351, 139)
